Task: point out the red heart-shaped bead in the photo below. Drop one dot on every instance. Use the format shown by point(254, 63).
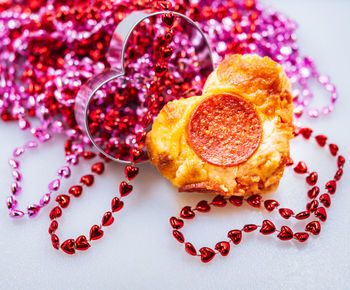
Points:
point(267, 227)
point(68, 246)
point(125, 188)
point(306, 132)
point(153, 86)
point(168, 37)
point(223, 248)
point(301, 167)
point(88, 179)
point(325, 199)
point(136, 154)
point(96, 233)
point(131, 172)
point(166, 52)
point(249, 228)
point(117, 204)
point(98, 168)
point(207, 254)
point(152, 102)
point(313, 227)
point(141, 136)
point(89, 155)
point(270, 204)
point(341, 161)
point(321, 213)
point(107, 219)
point(55, 241)
point(313, 192)
point(331, 186)
point(312, 178)
point(76, 190)
point(81, 243)
point(56, 212)
point(190, 249)
point(160, 69)
point(321, 140)
point(53, 227)
point(178, 236)
point(235, 236)
point(63, 200)
point(147, 119)
point(236, 200)
point(168, 19)
point(203, 206)
point(338, 174)
point(286, 212)
point(176, 223)
point(285, 234)
point(302, 215)
point(219, 201)
point(187, 213)
point(312, 206)
point(301, 237)
point(333, 148)
point(254, 200)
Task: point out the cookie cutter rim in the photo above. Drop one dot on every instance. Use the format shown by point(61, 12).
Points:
point(89, 89)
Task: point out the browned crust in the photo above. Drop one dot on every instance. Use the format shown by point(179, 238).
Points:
point(258, 80)
point(208, 187)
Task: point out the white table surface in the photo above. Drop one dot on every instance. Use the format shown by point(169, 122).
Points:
point(138, 250)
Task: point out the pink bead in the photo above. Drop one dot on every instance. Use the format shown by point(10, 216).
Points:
point(54, 185)
point(18, 152)
point(327, 109)
point(16, 188)
point(77, 148)
point(23, 124)
point(46, 137)
point(45, 199)
point(324, 80)
point(14, 163)
point(11, 202)
point(72, 159)
point(16, 175)
point(72, 133)
point(314, 113)
point(31, 144)
point(298, 111)
point(16, 213)
point(64, 172)
point(331, 88)
point(57, 127)
point(334, 97)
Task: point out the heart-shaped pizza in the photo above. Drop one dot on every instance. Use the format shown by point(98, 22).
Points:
point(234, 138)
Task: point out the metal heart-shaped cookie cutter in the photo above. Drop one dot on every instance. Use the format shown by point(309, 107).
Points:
point(116, 54)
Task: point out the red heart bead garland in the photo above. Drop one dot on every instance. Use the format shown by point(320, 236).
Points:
point(131, 171)
point(267, 227)
point(96, 232)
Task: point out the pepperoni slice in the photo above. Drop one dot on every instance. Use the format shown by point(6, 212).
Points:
point(224, 130)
